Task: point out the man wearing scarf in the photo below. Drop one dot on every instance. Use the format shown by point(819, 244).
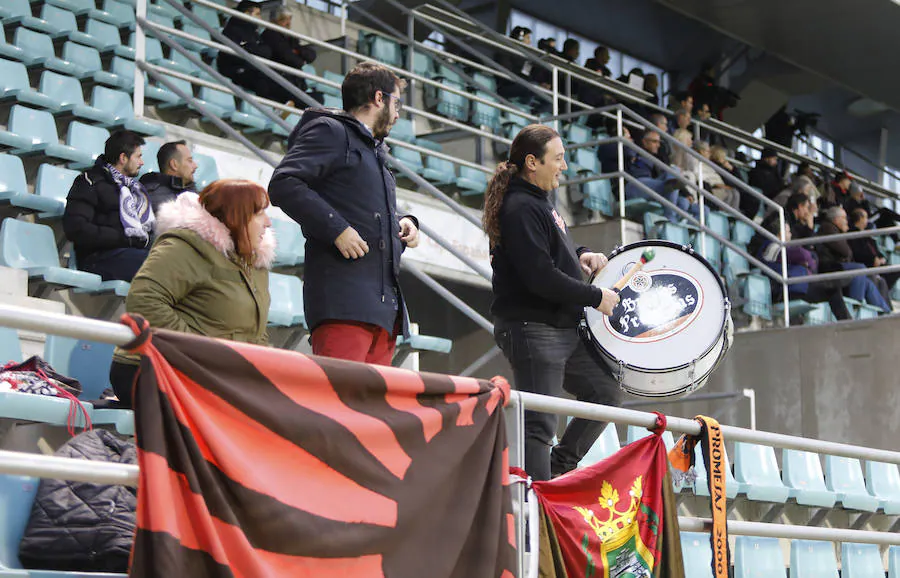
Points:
point(108, 214)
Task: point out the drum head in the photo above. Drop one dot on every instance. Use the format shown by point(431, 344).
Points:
point(670, 313)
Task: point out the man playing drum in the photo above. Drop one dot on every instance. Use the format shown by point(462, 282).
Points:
point(540, 296)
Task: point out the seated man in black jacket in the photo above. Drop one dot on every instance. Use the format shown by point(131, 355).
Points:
point(108, 215)
point(287, 50)
point(245, 35)
point(539, 298)
point(175, 176)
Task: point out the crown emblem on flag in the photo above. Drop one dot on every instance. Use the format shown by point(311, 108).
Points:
point(619, 525)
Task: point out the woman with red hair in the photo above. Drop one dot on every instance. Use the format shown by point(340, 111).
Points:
point(207, 273)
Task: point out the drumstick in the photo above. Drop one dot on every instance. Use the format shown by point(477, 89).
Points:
point(646, 257)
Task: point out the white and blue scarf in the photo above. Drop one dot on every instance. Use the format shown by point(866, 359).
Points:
point(135, 210)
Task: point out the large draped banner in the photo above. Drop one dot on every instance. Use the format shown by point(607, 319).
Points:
point(258, 462)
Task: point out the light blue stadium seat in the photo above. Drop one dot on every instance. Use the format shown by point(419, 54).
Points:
point(76, 6)
point(37, 50)
point(331, 101)
point(423, 64)
point(861, 561)
point(381, 49)
point(286, 305)
point(15, 86)
point(149, 151)
point(756, 469)
point(65, 91)
point(741, 233)
point(893, 562)
point(87, 361)
point(310, 69)
point(802, 473)
point(16, 497)
point(758, 558)
point(732, 486)
point(583, 160)
point(697, 554)
point(796, 308)
point(207, 171)
point(403, 130)
point(185, 65)
point(164, 12)
point(289, 250)
point(50, 191)
point(208, 15)
point(813, 559)
point(90, 139)
point(452, 105)
point(67, 27)
point(194, 30)
point(217, 101)
point(34, 132)
point(250, 118)
point(46, 409)
point(446, 73)
point(417, 342)
point(606, 445)
point(866, 311)
point(12, 178)
point(653, 223)
point(11, 51)
point(471, 181)
point(32, 247)
point(635, 433)
point(485, 114)
point(119, 14)
point(718, 223)
point(598, 196)
point(578, 133)
point(155, 55)
point(675, 233)
point(10, 346)
point(410, 158)
point(439, 171)
point(331, 90)
point(844, 477)
point(757, 291)
point(124, 69)
point(292, 121)
point(119, 104)
point(484, 81)
point(90, 66)
point(883, 482)
point(18, 13)
point(820, 314)
point(710, 249)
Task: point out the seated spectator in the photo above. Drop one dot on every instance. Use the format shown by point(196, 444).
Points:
point(682, 120)
point(108, 215)
point(571, 50)
point(713, 181)
point(866, 251)
point(719, 155)
point(599, 61)
point(657, 180)
point(800, 184)
point(245, 35)
point(175, 176)
point(287, 50)
point(608, 154)
point(208, 272)
point(680, 157)
point(665, 149)
point(838, 193)
point(682, 101)
point(765, 177)
point(651, 85)
point(839, 256)
point(801, 261)
point(878, 217)
point(800, 216)
point(540, 75)
point(856, 199)
point(516, 64)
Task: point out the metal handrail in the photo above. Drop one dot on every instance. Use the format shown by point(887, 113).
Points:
point(361, 57)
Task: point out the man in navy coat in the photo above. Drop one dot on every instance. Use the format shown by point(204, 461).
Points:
point(333, 181)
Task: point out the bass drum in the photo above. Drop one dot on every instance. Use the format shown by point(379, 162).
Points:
point(672, 326)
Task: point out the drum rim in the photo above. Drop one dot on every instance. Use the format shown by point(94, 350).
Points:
point(689, 249)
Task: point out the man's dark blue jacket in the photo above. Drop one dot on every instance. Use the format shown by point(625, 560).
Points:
point(334, 176)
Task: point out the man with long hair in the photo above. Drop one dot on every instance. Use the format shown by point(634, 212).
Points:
point(539, 298)
point(334, 182)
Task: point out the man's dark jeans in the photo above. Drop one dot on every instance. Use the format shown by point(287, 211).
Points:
point(117, 264)
point(548, 360)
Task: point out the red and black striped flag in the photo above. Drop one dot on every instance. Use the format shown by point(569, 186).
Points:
point(258, 462)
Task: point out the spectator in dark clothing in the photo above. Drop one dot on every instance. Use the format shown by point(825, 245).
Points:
point(763, 176)
point(651, 85)
point(287, 50)
point(516, 64)
point(665, 149)
point(571, 50)
point(857, 200)
point(838, 193)
point(866, 251)
point(245, 35)
point(108, 215)
point(599, 61)
point(800, 216)
point(334, 182)
point(608, 154)
point(801, 261)
point(175, 176)
point(840, 256)
point(657, 180)
point(540, 75)
point(682, 101)
point(780, 128)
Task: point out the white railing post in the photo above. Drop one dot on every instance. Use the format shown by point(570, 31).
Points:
point(620, 132)
point(784, 271)
point(555, 105)
point(751, 395)
point(140, 55)
point(702, 202)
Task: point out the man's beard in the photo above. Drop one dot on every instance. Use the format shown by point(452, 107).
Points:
point(383, 123)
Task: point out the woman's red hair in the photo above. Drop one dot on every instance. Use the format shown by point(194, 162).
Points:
point(235, 202)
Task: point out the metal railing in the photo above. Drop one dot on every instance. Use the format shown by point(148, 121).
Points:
point(25, 464)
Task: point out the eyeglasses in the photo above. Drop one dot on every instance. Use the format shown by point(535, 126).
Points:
point(397, 98)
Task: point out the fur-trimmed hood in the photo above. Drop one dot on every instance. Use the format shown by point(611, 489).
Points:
point(186, 212)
